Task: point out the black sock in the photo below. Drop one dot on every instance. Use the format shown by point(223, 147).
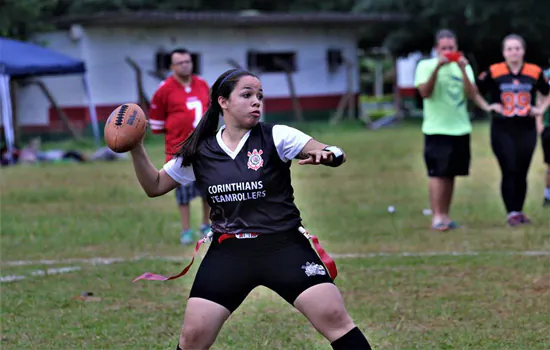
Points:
point(178, 347)
point(352, 340)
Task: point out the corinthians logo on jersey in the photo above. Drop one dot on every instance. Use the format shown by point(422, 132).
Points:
point(255, 160)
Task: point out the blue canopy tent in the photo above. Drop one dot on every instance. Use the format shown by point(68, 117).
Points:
point(20, 60)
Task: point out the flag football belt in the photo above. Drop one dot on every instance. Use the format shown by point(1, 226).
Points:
point(323, 255)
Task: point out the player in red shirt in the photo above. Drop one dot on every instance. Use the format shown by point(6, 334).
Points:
point(176, 109)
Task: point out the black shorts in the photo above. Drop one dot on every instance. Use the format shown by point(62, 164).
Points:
point(233, 268)
point(545, 140)
point(447, 156)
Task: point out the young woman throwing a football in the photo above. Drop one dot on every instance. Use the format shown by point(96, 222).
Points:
point(244, 168)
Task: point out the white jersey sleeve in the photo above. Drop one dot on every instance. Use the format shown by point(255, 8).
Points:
point(289, 141)
point(183, 175)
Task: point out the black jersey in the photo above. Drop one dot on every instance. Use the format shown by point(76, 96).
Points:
point(249, 190)
point(516, 92)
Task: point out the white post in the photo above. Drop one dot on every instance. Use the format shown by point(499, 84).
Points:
point(7, 118)
point(91, 109)
point(379, 78)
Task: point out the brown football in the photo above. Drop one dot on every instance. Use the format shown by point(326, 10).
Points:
point(125, 127)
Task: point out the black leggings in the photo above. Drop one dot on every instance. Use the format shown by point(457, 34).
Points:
point(513, 142)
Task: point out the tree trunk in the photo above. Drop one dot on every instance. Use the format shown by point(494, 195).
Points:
point(142, 99)
point(60, 113)
point(295, 101)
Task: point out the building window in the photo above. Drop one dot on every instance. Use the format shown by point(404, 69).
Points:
point(163, 61)
point(334, 59)
point(270, 62)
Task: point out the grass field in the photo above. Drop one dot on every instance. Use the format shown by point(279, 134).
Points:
point(463, 289)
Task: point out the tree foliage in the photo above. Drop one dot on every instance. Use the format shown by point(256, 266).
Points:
point(479, 24)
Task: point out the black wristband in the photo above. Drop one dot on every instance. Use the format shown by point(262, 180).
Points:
point(338, 157)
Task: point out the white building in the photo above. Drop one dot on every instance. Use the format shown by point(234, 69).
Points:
point(314, 45)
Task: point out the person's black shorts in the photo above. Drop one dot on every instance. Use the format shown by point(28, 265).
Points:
point(447, 156)
point(545, 140)
point(186, 193)
point(233, 268)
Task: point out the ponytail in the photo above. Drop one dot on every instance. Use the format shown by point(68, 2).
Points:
point(207, 127)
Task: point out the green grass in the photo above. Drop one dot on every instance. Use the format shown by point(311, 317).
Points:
point(486, 301)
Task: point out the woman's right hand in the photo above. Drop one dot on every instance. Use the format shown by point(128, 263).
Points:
point(443, 60)
point(495, 107)
point(138, 148)
point(139, 144)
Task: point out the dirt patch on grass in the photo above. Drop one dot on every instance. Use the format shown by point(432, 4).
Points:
point(541, 284)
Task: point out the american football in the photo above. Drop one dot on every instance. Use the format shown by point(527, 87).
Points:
point(125, 127)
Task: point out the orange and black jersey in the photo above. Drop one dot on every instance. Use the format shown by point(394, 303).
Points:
point(516, 92)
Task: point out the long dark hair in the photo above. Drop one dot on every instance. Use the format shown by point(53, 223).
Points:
point(208, 124)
